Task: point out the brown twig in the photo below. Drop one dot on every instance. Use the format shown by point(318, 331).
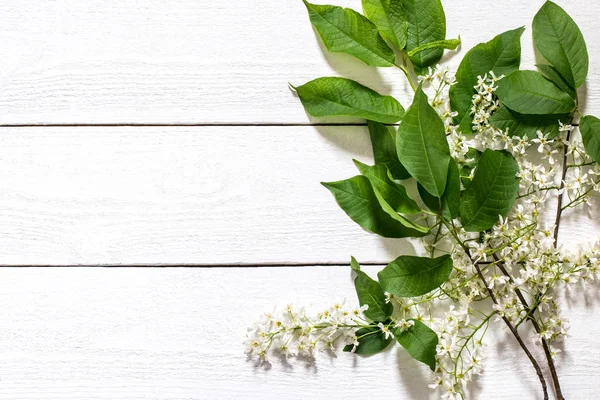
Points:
point(510, 326)
point(536, 326)
point(536, 366)
point(559, 208)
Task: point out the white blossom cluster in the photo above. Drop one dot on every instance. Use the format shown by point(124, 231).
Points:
point(519, 253)
point(292, 332)
point(518, 259)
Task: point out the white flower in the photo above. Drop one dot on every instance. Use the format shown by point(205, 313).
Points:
point(385, 329)
point(404, 324)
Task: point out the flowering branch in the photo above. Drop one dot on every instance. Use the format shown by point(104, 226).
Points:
point(472, 144)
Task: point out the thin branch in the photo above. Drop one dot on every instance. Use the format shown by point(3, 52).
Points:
point(559, 208)
point(536, 326)
point(515, 333)
point(510, 326)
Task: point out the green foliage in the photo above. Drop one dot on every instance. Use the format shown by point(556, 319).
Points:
point(590, 133)
point(426, 23)
point(369, 292)
point(448, 205)
point(344, 30)
point(389, 17)
point(422, 146)
point(383, 140)
point(339, 96)
point(528, 92)
point(410, 276)
point(370, 341)
point(420, 342)
point(555, 77)
point(492, 192)
point(502, 55)
point(358, 199)
point(385, 187)
point(527, 125)
point(559, 40)
point(449, 44)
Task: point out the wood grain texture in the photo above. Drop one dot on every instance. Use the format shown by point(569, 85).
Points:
point(99, 333)
point(203, 195)
point(206, 195)
point(190, 195)
point(187, 61)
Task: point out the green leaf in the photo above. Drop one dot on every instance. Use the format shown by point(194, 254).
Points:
point(391, 192)
point(383, 139)
point(346, 31)
point(354, 265)
point(420, 342)
point(526, 125)
point(555, 77)
point(448, 44)
point(389, 17)
point(559, 40)
point(422, 146)
point(492, 192)
point(528, 92)
point(370, 293)
point(410, 276)
point(502, 55)
point(426, 23)
point(448, 205)
point(590, 133)
point(370, 341)
point(358, 199)
point(339, 96)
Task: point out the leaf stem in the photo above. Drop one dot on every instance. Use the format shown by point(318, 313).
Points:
point(407, 74)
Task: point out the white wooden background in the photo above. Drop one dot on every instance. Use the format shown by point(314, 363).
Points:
point(158, 138)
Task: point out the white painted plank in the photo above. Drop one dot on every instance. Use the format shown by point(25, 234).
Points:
point(98, 333)
point(190, 61)
point(131, 195)
point(189, 195)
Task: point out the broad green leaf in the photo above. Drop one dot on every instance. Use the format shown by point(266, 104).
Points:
point(344, 30)
point(526, 125)
point(391, 192)
point(422, 146)
point(590, 133)
point(492, 192)
point(528, 92)
point(449, 204)
point(420, 342)
point(369, 292)
point(559, 40)
point(502, 55)
point(389, 17)
point(410, 276)
point(370, 341)
point(448, 44)
point(383, 140)
point(555, 77)
point(340, 96)
point(358, 199)
point(426, 23)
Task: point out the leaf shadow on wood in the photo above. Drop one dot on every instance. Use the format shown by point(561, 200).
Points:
point(350, 67)
point(356, 142)
point(414, 377)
